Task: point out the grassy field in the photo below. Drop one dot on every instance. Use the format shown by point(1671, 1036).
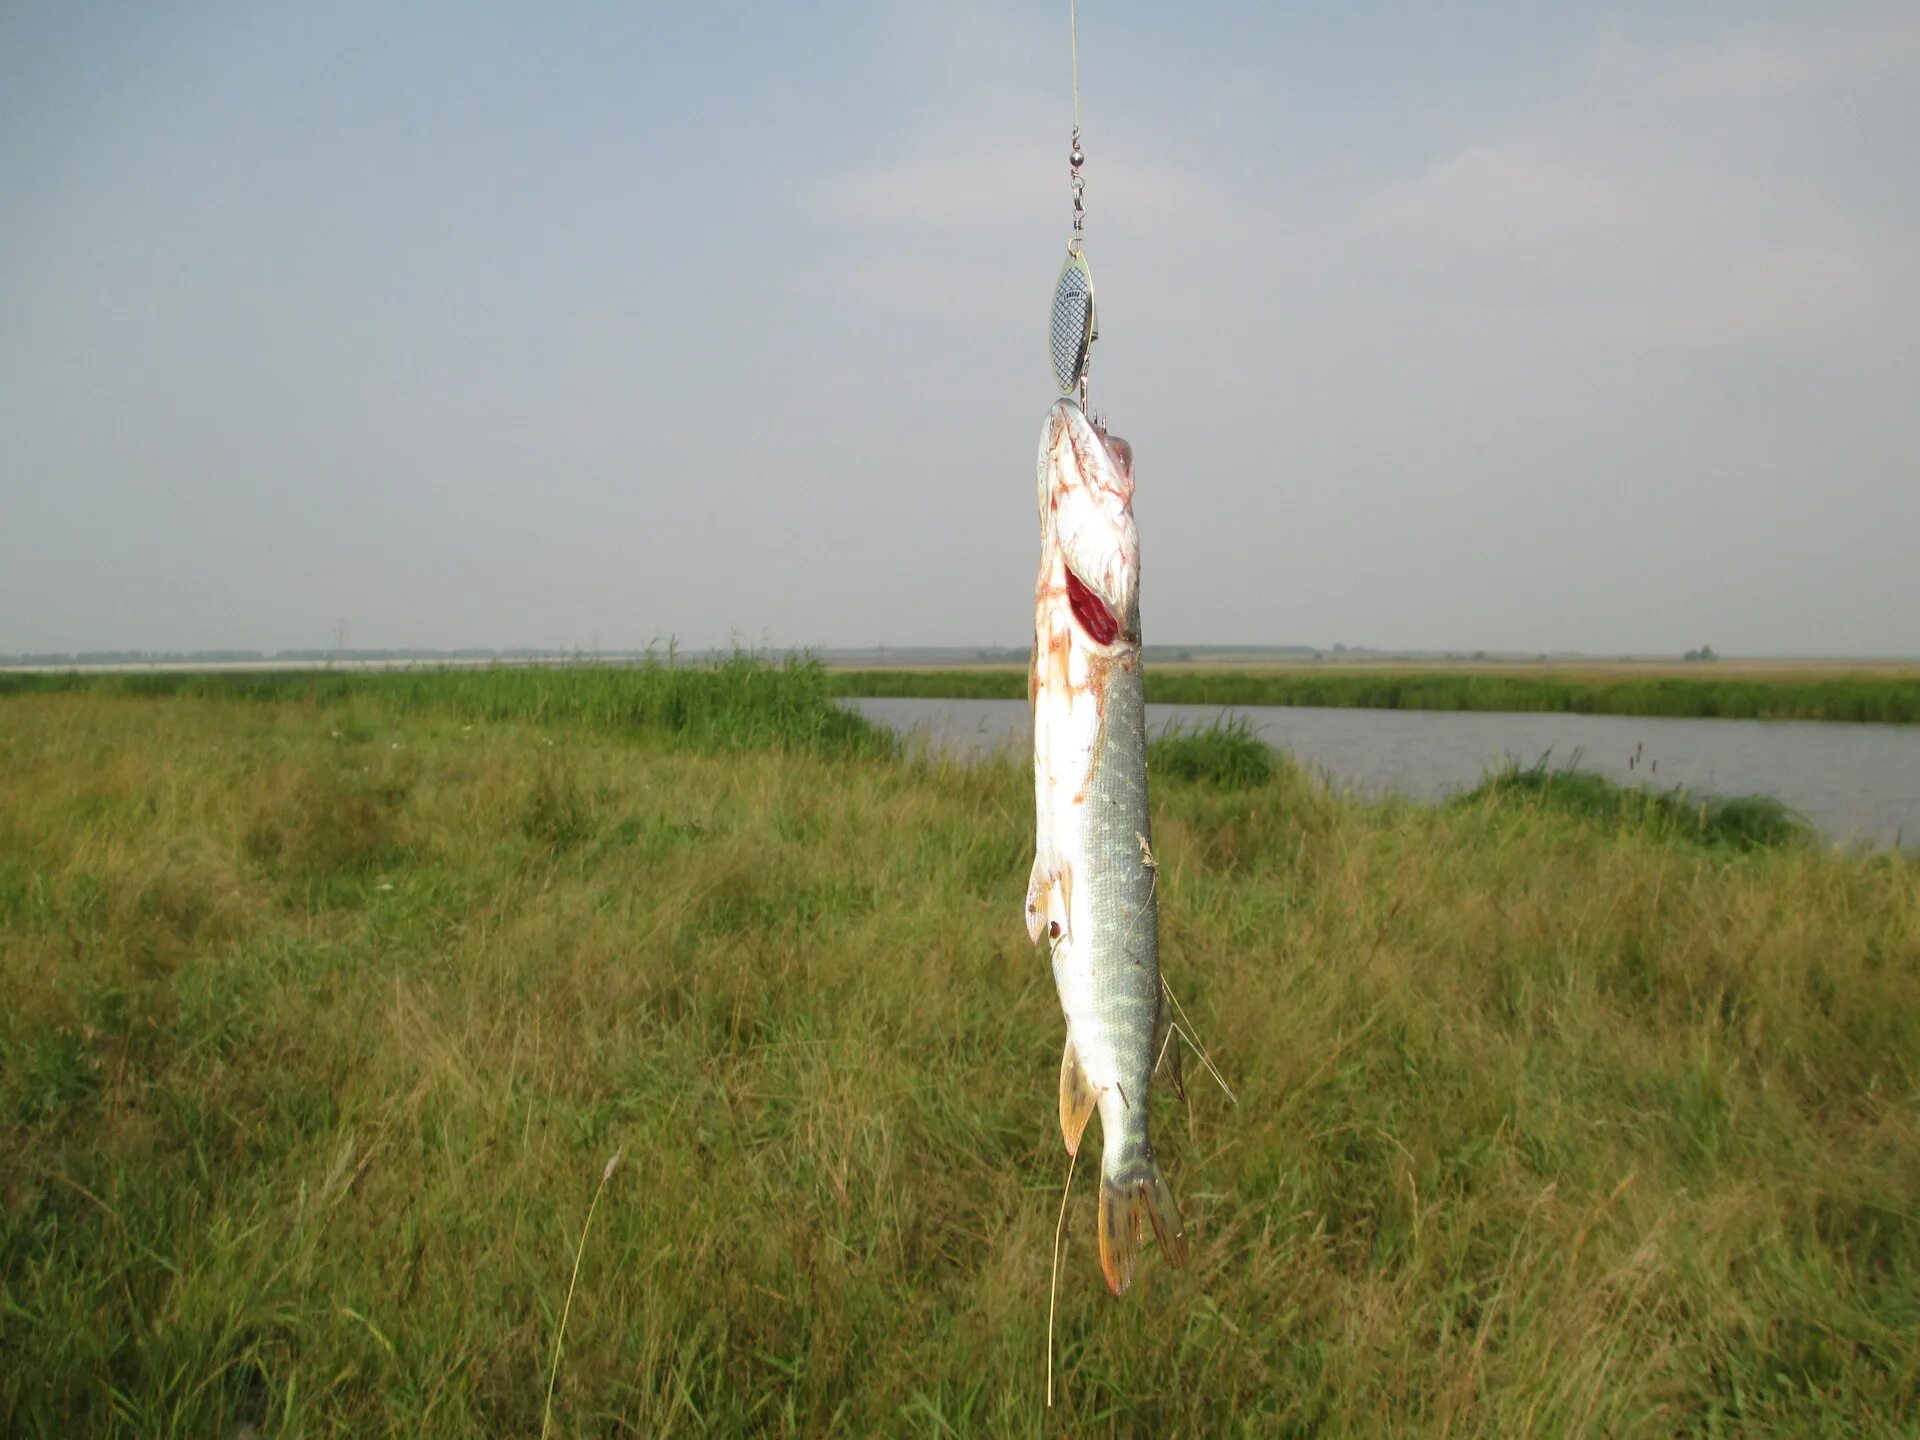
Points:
point(742, 704)
point(323, 1008)
point(1812, 692)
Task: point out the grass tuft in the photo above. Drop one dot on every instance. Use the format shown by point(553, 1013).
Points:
point(1226, 754)
point(1748, 822)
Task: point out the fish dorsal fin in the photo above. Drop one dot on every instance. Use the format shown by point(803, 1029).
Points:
point(1077, 1099)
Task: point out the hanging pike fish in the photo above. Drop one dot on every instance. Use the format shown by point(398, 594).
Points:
point(1093, 890)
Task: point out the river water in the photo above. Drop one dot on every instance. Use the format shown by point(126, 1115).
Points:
point(1855, 783)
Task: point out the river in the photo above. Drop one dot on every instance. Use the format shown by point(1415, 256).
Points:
point(1858, 784)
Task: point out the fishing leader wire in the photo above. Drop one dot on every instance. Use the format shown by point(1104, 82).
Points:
point(1073, 326)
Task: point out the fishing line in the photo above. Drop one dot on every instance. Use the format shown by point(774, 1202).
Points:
point(1053, 1285)
point(1073, 41)
point(1072, 328)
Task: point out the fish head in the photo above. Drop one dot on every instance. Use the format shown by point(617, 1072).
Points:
point(1086, 511)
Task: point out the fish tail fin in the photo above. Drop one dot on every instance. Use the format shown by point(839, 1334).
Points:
point(1134, 1187)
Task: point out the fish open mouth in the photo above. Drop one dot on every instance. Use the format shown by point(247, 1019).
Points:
point(1091, 611)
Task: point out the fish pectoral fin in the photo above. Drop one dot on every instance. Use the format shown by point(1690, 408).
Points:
point(1077, 1099)
point(1049, 902)
point(1037, 885)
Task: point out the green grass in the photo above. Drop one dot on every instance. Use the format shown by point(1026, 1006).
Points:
point(1226, 753)
point(1746, 822)
point(1882, 699)
point(740, 704)
point(321, 1015)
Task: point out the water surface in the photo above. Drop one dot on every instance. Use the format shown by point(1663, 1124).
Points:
point(1855, 783)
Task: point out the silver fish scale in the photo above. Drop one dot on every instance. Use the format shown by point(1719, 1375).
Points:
point(1126, 952)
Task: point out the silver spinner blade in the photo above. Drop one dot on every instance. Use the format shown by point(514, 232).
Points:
point(1073, 331)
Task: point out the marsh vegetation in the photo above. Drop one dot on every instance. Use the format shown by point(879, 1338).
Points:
point(1890, 697)
point(323, 1006)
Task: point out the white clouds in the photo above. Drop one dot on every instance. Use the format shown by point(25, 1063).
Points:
point(1447, 331)
point(1829, 50)
point(1004, 167)
point(985, 178)
point(1640, 208)
point(1641, 333)
point(1632, 241)
point(1636, 204)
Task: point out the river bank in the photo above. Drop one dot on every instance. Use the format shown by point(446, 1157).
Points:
point(1871, 696)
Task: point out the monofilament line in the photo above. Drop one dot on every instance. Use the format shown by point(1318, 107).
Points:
point(1075, 156)
point(1073, 45)
point(1053, 1285)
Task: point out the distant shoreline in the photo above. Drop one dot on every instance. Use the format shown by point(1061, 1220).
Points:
point(1857, 692)
point(1289, 659)
point(1850, 694)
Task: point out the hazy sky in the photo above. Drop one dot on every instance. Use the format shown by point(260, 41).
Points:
point(1517, 326)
